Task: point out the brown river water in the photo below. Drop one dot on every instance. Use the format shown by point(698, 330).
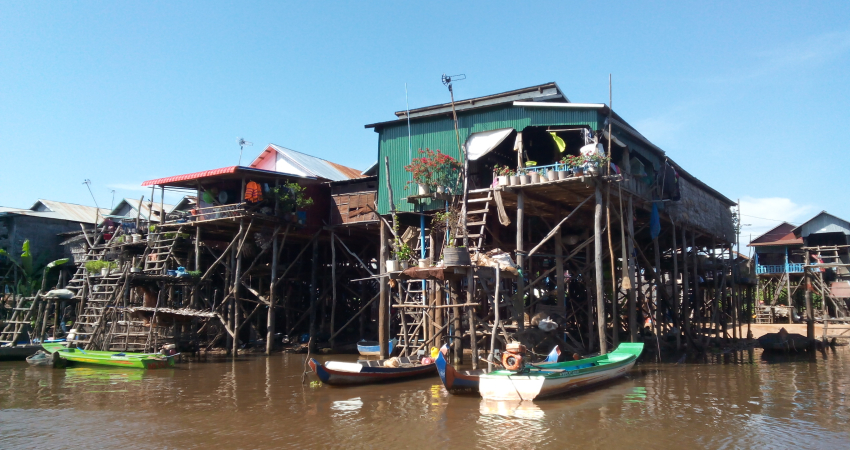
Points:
point(737, 400)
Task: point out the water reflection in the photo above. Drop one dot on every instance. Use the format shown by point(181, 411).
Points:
point(735, 400)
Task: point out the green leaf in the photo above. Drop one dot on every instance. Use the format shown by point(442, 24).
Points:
point(26, 258)
point(58, 262)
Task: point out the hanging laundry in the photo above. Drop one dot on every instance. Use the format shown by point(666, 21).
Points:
point(208, 197)
point(253, 192)
point(654, 222)
point(559, 142)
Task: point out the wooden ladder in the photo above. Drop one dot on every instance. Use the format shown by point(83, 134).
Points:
point(478, 206)
point(412, 327)
point(20, 320)
point(160, 250)
point(102, 294)
point(78, 281)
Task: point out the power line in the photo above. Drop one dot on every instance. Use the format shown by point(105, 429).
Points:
point(765, 218)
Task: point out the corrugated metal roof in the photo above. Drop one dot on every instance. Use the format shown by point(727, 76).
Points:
point(135, 209)
point(824, 222)
point(309, 165)
point(68, 211)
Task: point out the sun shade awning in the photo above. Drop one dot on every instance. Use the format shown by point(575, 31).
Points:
point(481, 143)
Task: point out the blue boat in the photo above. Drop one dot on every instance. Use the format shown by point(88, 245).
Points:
point(466, 381)
point(373, 348)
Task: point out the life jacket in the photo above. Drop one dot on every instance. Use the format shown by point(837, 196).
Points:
point(253, 192)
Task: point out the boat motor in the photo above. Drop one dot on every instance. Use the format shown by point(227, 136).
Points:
point(513, 356)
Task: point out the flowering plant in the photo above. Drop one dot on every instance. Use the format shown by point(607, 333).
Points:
point(433, 168)
point(573, 161)
point(503, 171)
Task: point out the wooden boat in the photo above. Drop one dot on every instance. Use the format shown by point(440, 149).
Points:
point(40, 358)
point(114, 359)
point(373, 348)
point(364, 372)
point(783, 341)
point(18, 352)
point(466, 381)
point(532, 382)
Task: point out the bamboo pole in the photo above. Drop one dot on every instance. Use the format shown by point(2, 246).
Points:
point(495, 318)
point(383, 303)
point(314, 287)
point(686, 306)
point(633, 326)
point(333, 279)
point(473, 344)
point(675, 281)
point(236, 284)
point(270, 320)
point(597, 257)
point(519, 299)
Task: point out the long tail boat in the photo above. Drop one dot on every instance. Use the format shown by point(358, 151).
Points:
point(339, 373)
point(533, 381)
point(466, 381)
point(114, 359)
point(373, 348)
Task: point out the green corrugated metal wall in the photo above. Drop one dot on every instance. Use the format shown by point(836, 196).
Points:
point(440, 134)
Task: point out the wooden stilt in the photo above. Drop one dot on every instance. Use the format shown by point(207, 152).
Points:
point(519, 299)
point(237, 284)
point(675, 281)
point(314, 290)
point(470, 311)
point(633, 325)
point(559, 271)
point(270, 320)
point(597, 258)
point(333, 280)
point(383, 302)
point(686, 304)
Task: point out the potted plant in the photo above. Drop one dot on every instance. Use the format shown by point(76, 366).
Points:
point(432, 171)
point(595, 161)
point(503, 174)
point(290, 197)
point(524, 178)
point(551, 175)
point(404, 254)
point(535, 176)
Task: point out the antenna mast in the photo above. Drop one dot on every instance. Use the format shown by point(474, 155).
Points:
point(242, 143)
point(447, 81)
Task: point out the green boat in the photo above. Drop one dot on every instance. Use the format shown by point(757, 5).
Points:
point(534, 382)
point(114, 359)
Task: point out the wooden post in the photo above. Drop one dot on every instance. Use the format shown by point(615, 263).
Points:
point(333, 280)
point(383, 301)
point(519, 299)
point(734, 293)
point(659, 285)
point(457, 325)
point(470, 289)
point(237, 284)
point(495, 318)
point(686, 303)
point(810, 313)
point(715, 320)
point(314, 290)
point(589, 293)
point(270, 320)
point(633, 325)
point(675, 281)
point(559, 271)
point(697, 298)
point(598, 275)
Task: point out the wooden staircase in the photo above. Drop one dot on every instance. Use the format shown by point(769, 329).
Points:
point(478, 207)
point(102, 296)
point(160, 250)
point(20, 320)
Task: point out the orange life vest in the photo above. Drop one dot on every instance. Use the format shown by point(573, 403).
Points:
point(253, 192)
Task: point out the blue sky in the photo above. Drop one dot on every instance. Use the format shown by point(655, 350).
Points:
point(751, 98)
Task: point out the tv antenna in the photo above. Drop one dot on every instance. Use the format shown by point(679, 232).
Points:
point(447, 81)
point(242, 143)
point(87, 182)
